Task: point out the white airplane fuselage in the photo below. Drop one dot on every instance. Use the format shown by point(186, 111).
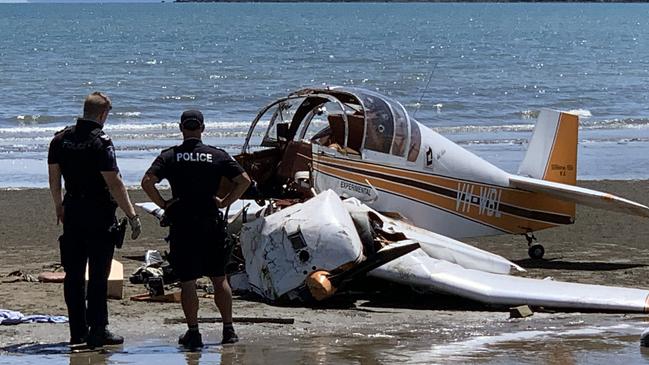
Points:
point(447, 190)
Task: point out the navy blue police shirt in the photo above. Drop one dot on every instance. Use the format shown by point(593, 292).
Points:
point(83, 152)
point(194, 171)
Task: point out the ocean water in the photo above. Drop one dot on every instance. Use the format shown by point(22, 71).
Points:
point(491, 67)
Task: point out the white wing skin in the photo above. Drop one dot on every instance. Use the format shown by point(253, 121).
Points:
point(420, 270)
point(441, 247)
point(592, 198)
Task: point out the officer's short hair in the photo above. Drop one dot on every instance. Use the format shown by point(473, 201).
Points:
point(95, 104)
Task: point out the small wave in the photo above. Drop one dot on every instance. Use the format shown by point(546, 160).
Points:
point(35, 119)
point(128, 114)
point(179, 97)
point(581, 113)
point(533, 114)
point(518, 141)
point(529, 114)
point(629, 123)
point(485, 128)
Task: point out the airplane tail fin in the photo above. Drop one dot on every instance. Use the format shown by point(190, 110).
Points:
point(552, 151)
point(550, 168)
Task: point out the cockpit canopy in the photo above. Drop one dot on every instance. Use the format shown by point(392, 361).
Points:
point(350, 120)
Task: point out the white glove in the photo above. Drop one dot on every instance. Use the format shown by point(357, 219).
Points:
point(136, 226)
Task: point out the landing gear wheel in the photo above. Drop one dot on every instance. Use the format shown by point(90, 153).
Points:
point(536, 251)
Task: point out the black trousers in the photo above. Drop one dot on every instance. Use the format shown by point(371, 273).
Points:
point(86, 240)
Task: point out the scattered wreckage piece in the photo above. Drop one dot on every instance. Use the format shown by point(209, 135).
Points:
point(307, 251)
point(312, 245)
point(163, 298)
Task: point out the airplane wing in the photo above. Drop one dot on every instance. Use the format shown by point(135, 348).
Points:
point(439, 246)
point(424, 272)
point(592, 198)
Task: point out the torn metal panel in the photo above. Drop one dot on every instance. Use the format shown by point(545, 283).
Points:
point(281, 249)
point(438, 246)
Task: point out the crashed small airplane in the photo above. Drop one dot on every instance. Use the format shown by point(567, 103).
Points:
point(362, 144)
point(354, 186)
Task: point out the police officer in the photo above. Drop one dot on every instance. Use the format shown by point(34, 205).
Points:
point(85, 157)
point(194, 171)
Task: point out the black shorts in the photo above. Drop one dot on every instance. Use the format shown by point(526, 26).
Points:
point(197, 248)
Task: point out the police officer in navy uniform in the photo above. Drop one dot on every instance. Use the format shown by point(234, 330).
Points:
point(85, 157)
point(197, 236)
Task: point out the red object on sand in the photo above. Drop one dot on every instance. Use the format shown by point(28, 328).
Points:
point(51, 277)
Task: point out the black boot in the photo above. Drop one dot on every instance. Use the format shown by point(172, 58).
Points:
point(229, 336)
point(77, 340)
point(192, 339)
point(99, 337)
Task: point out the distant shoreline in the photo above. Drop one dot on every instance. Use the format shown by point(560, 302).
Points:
point(411, 1)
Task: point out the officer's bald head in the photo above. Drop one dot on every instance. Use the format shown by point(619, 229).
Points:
point(95, 106)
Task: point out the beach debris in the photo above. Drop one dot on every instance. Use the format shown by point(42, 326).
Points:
point(54, 267)
point(18, 275)
point(166, 298)
point(9, 317)
point(54, 273)
point(51, 277)
point(115, 280)
point(277, 320)
point(154, 273)
point(521, 311)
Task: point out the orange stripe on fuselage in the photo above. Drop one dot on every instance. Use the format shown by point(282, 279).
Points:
point(506, 222)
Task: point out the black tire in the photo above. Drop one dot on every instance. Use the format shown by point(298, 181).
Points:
point(536, 252)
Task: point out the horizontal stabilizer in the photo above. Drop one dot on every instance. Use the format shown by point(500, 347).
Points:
point(424, 272)
point(591, 198)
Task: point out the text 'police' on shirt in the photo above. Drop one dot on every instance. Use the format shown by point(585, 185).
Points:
point(194, 157)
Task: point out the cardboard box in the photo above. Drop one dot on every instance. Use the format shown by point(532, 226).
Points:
point(115, 280)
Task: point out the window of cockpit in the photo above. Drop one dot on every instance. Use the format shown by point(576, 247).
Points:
point(282, 113)
point(379, 132)
point(415, 141)
point(316, 124)
point(400, 130)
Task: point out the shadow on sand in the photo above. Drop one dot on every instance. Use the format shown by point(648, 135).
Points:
point(558, 264)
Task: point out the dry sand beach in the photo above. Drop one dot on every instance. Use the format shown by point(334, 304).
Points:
point(601, 248)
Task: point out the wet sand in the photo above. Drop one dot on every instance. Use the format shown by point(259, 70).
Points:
point(601, 248)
